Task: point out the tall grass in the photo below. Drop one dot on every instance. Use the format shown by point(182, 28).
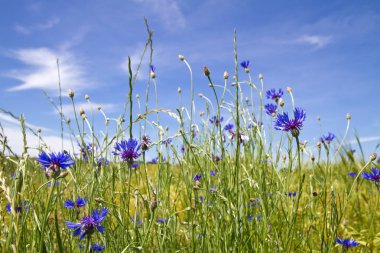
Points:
point(247, 189)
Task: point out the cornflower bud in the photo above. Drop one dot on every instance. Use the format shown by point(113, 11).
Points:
point(70, 93)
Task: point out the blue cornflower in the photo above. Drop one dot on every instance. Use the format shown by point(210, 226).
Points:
point(54, 162)
point(352, 174)
point(152, 71)
point(216, 158)
point(250, 218)
point(56, 183)
point(215, 120)
point(167, 142)
point(127, 150)
point(160, 220)
point(97, 247)
point(183, 149)
point(197, 177)
point(89, 224)
point(329, 138)
point(347, 243)
point(272, 94)
point(155, 160)
point(102, 161)
point(228, 127)
point(19, 209)
point(78, 203)
point(374, 175)
point(152, 68)
point(291, 194)
point(282, 122)
point(245, 65)
point(201, 199)
point(212, 172)
point(86, 151)
point(270, 109)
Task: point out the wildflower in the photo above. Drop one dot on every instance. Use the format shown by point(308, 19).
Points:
point(69, 204)
point(215, 120)
point(245, 65)
point(352, 174)
point(253, 202)
point(56, 183)
point(201, 199)
point(160, 220)
point(183, 149)
point(102, 161)
point(250, 218)
point(167, 142)
point(283, 122)
point(145, 142)
point(270, 109)
point(212, 172)
point(23, 206)
point(97, 247)
point(213, 189)
point(206, 71)
point(86, 151)
point(197, 177)
point(54, 162)
point(128, 151)
point(272, 94)
point(347, 243)
point(373, 176)
point(329, 138)
point(89, 224)
point(291, 194)
point(228, 127)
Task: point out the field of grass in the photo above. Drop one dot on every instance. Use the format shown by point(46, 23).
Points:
point(216, 186)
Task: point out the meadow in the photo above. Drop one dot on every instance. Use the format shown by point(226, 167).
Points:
point(223, 182)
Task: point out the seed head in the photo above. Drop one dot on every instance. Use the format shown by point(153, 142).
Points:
point(225, 75)
point(99, 107)
point(281, 102)
point(83, 116)
point(87, 97)
point(373, 156)
point(289, 89)
point(70, 93)
point(261, 76)
point(179, 90)
point(348, 116)
point(318, 118)
point(206, 71)
point(81, 111)
point(38, 130)
point(181, 57)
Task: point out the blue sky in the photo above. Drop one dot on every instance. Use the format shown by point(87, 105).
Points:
point(327, 51)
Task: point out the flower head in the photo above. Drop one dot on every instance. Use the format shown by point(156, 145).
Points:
point(23, 206)
point(245, 65)
point(215, 120)
point(145, 142)
point(152, 71)
point(374, 175)
point(128, 150)
point(352, 174)
point(283, 122)
point(69, 204)
point(89, 224)
point(327, 139)
point(97, 247)
point(102, 161)
point(197, 177)
point(347, 243)
point(54, 162)
point(228, 127)
point(272, 94)
point(270, 109)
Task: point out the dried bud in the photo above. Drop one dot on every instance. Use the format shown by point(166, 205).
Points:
point(281, 102)
point(87, 97)
point(348, 116)
point(315, 194)
point(312, 158)
point(137, 96)
point(261, 76)
point(99, 107)
point(153, 203)
point(68, 120)
point(201, 114)
point(200, 95)
point(289, 89)
point(206, 71)
point(319, 144)
point(373, 156)
point(152, 74)
point(210, 85)
point(70, 93)
point(81, 111)
point(284, 157)
point(38, 130)
point(179, 90)
point(83, 116)
point(181, 57)
point(318, 118)
point(225, 75)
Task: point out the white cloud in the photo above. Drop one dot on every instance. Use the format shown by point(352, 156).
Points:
point(168, 11)
point(314, 40)
point(38, 27)
point(42, 72)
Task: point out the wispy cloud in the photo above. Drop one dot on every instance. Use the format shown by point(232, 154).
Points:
point(317, 41)
point(41, 71)
point(168, 11)
point(37, 27)
point(365, 139)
